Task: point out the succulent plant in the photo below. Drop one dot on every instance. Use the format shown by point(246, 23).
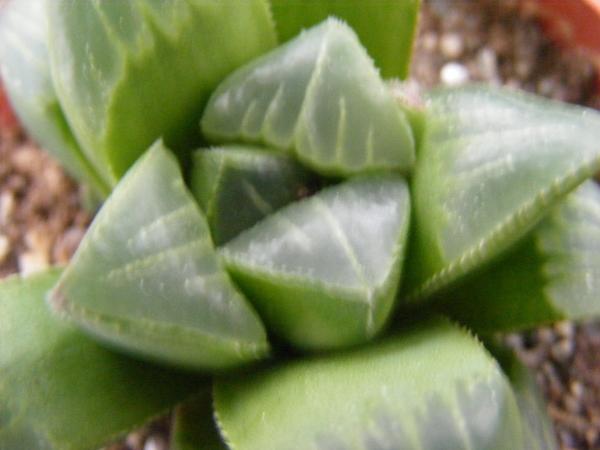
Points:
point(285, 237)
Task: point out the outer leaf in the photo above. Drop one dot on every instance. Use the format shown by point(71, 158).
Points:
point(538, 429)
point(129, 72)
point(431, 388)
point(324, 272)
point(492, 164)
point(320, 95)
point(386, 28)
point(194, 427)
point(24, 66)
point(146, 277)
point(554, 274)
point(238, 186)
point(59, 389)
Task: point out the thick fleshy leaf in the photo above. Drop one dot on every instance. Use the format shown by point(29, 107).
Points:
point(538, 429)
point(194, 427)
point(129, 72)
point(59, 389)
point(386, 28)
point(492, 164)
point(553, 274)
point(433, 387)
point(146, 277)
point(323, 272)
point(238, 186)
point(25, 70)
point(319, 95)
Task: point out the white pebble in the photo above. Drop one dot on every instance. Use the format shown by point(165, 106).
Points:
point(32, 261)
point(453, 74)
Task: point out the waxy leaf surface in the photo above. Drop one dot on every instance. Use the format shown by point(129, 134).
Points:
point(25, 71)
point(492, 164)
point(146, 277)
point(323, 272)
point(554, 274)
point(319, 95)
point(432, 387)
point(386, 28)
point(129, 72)
point(538, 429)
point(238, 186)
point(61, 390)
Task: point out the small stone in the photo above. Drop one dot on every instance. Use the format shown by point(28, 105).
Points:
point(565, 329)
point(33, 261)
point(451, 45)
point(487, 63)
point(453, 74)
point(5, 247)
point(7, 207)
point(155, 443)
point(563, 350)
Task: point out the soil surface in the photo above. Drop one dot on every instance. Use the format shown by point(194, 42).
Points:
point(41, 221)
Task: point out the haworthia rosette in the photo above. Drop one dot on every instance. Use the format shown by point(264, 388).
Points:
point(319, 95)
point(60, 389)
point(433, 387)
point(552, 275)
point(323, 272)
point(129, 72)
point(146, 277)
point(236, 186)
point(492, 164)
point(25, 71)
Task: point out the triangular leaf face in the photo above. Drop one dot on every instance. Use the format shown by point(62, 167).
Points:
point(146, 277)
point(59, 389)
point(431, 388)
point(492, 164)
point(237, 186)
point(25, 70)
point(319, 95)
point(323, 272)
point(552, 275)
point(127, 73)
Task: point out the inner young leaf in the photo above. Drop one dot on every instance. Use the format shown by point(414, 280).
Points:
point(320, 96)
point(323, 272)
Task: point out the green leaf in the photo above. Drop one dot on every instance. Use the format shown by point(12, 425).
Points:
point(433, 387)
point(538, 429)
point(129, 72)
point(146, 277)
point(552, 275)
point(25, 70)
point(323, 272)
point(319, 95)
point(386, 28)
point(492, 164)
point(238, 186)
point(194, 426)
point(59, 389)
